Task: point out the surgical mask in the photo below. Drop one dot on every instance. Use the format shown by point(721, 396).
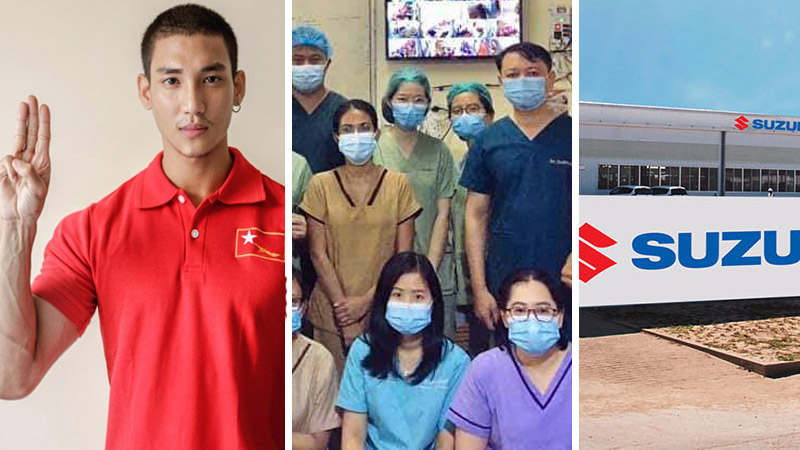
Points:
point(357, 148)
point(307, 78)
point(525, 93)
point(408, 318)
point(408, 115)
point(297, 319)
point(533, 336)
point(469, 126)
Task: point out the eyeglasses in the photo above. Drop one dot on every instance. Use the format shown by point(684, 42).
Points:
point(473, 108)
point(541, 313)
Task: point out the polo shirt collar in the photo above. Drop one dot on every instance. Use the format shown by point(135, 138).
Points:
point(243, 185)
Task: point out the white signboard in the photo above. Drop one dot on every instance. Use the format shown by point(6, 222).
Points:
point(636, 250)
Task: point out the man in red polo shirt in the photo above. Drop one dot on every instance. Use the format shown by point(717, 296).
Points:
point(184, 262)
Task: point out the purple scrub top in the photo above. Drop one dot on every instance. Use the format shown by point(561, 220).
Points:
point(498, 401)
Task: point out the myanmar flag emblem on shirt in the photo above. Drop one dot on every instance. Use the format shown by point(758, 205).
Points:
point(252, 242)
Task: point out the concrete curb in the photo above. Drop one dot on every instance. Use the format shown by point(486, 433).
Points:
point(770, 370)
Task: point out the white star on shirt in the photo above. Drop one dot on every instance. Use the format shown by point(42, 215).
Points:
point(248, 238)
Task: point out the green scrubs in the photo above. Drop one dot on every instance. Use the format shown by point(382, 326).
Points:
point(301, 175)
point(432, 173)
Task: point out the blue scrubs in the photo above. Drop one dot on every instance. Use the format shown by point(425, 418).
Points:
point(312, 134)
point(401, 415)
point(530, 184)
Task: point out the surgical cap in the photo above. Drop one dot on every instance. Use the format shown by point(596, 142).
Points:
point(408, 75)
point(477, 88)
point(309, 36)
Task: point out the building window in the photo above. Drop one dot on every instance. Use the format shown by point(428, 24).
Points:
point(755, 175)
point(703, 179)
point(602, 176)
point(746, 184)
point(613, 176)
point(625, 175)
point(713, 180)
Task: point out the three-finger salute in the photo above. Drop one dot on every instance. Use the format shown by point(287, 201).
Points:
point(25, 173)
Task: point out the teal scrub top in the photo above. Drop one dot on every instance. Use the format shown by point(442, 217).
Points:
point(401, 415)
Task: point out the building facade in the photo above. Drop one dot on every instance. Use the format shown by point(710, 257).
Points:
point(655, 146)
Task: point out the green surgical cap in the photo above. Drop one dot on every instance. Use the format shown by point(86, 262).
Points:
point(408, 75)
point(309, 36)
point(460, 88)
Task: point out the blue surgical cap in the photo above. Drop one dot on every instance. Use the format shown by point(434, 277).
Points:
point(483, 94)
point(309, 36)
point(408, 75)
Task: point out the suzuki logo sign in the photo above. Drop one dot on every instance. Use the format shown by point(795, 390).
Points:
point(592, 262)
point(635, 250)
point(741, 122)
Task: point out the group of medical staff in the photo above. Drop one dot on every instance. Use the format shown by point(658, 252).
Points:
point(394, 242)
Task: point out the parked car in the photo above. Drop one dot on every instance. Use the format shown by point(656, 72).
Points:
point(631, 190)
point(669, 190)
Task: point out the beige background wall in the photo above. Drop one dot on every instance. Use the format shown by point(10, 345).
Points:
point(359, 67)
point(82, 59)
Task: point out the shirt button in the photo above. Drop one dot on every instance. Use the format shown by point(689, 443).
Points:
point(195, 233)
point(182, 199)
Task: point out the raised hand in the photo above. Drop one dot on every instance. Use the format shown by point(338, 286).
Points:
point(25, 173)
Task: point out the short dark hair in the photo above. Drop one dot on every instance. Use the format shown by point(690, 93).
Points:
point(528, 50)
point(504, 294)
point(296, 276)
point(187, 20)
point(354, 105)
point(383, 340)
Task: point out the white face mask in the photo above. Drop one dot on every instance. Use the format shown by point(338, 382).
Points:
point(357, 148)
point(307, 78)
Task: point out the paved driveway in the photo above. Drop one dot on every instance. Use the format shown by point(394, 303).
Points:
point(639, 391)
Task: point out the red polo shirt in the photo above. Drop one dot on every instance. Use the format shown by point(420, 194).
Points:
point(191, 304)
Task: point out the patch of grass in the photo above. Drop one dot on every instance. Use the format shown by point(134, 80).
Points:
point(747, 340)
point(785, 357)
point(775, 343)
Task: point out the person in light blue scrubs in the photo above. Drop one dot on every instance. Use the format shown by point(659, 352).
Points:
point(401, 376)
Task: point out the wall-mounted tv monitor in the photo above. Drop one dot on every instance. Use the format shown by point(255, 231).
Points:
point(451, 29)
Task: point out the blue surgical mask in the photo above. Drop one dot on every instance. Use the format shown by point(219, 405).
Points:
point(307, 78)
point(408, 116)
point(469, 126)
point(525, 93)
point(297, 319)
point(408, 318)
point(533, 336)
point(357, 148)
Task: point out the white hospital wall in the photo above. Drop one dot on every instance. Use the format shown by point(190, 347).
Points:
point(82, 59)
point(359, 67)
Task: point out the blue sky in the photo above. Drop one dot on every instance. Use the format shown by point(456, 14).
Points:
point(732, 55)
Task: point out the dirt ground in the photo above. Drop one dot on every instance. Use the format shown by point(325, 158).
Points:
point(763, 330)
point(640, 391)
